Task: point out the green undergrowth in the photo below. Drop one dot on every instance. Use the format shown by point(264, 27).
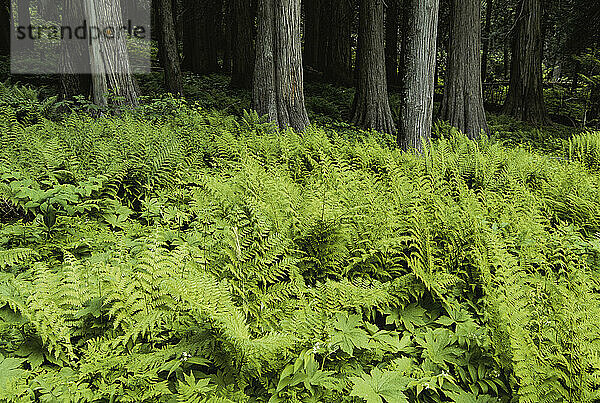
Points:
point(177, 254)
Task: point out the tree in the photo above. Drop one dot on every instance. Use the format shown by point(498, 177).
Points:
point(392, 17)
point(416, 112)
point(242, 43)
point(371, 108)
point(337, 67)
point(167, 45)
point(278, 87)
point(73, 53)
point(462, 105)
point(200, 35)
point(4, 27)
point(314, 53)
point(109, 59)
point(525, 99)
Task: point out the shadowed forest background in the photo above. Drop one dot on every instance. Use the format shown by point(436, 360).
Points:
point(304, 201)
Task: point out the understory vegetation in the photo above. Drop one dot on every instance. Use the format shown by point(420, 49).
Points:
point(180, 254)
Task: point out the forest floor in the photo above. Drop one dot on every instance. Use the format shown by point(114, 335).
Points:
point(188, 251)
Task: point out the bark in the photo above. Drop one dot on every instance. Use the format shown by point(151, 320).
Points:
point(371, 108)
point(4, 27)
point(525, 100)
point(391, 41)
point(200, 36)
point(73, 54)
point(242, 41)
point(167, 44)
point(462, 105)
point(486, 39)
point(416, 112)
point(278, 88)
point(109, 58)
point(337, 68)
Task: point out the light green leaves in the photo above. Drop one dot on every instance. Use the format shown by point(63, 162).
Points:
point(10, 370)
point(347, 334)
point(380, 386)
point(410, 317)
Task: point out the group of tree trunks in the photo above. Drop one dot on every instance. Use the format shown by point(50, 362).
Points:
point(397, 42)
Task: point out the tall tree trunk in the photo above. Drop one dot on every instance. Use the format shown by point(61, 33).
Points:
point(462, 106)
point(338, 64)
point(278, 88)
point(416, 112)
point(167, 44)
point(5, 27)
point(73, 54)
point(525, 100)
point(242, 41)
point(391, 41)
point(109, 58)
point(487, 30)
point(312, 33)
point(200, 44)
point(371, 107)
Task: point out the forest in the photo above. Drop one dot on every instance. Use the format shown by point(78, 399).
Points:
point(300, 201)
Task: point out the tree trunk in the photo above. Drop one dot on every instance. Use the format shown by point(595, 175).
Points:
point(278, 88)
point(200, 35)
point(5, 27)
point(242, 41)
point(416, 112)
point(167, 44)
point(391, 42)
point(462, 106)
point(525, 100)
point(486, 39)
point(109, 58)
point(73, 54)
point(312, 33)
point(371, 108)
point(338, 63)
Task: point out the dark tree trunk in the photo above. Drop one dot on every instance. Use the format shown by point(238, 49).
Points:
point(312, 33)
point(506, 60)
point(73, 54)
point(200, 35)
point(278, 88)
point(416, 112)
point(371, 107)
point(109, 59)
point(242, 41)
point(391, 42)
point(229, 35)
point(487, 30)
point(167, 44)
point(4, 27)
point(462, 106)
point(525, 100)
point(338, 53)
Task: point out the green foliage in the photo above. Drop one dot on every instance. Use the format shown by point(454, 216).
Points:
point(176, 254)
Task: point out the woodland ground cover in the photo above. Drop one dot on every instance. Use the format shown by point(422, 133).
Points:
point(179, 253)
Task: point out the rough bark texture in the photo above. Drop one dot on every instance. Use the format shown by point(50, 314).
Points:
point(109, 58)
point(73, 54)
point(278, 88)
point(391, 41)
point(338, 43)
point(525, 99)
point(200, 35)
point(462, 105)
point(487, 30)
point(4, 27)
point(242, 43)
point(167, 44)
point(416, 112)
point(371, 108)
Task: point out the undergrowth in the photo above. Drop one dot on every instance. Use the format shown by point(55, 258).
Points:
point(180, 254)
